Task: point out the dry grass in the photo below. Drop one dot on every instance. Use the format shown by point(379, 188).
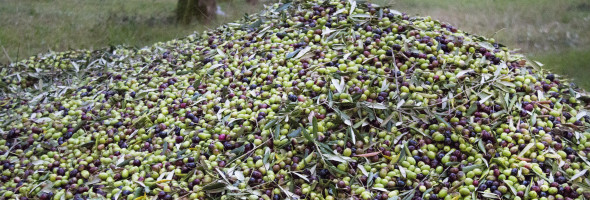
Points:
point(547, 30)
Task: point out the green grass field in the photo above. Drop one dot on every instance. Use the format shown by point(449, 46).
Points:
point(552, 32)
point(29, 27)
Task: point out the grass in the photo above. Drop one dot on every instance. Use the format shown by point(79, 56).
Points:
point(573, 63)
point(30, 27)
point(532, 25)
point(553, 32)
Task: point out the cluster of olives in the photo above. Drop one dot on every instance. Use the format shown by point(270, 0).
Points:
point(320, 99)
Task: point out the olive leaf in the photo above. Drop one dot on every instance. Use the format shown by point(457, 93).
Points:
point(426, 192)
point(294, 133)
point(289, 194)
point(215, 187)
point(352, 6)
point(352, 135)
point(292, 54)
point(284, 7)
point(374, 105)
point(301, 176)
point(368, 154)
point(419, 131)
point(526, 149)
point(302, 52)
point(402, 170)
point(489, 195)
point(539, 172)
point(462, 73)
point(339, 158)
point(441, 120)
point(512, 189)
point(92, 180)
point(124, 163)
point(471, 110)
point(39, 162)
point(472, 167)
point(578, 175)
point(315, 126)
point(486, 45)
point(307, 136)
point(339, 84)
point(410, 195)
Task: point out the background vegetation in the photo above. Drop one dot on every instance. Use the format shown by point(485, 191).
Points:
point(554, 32)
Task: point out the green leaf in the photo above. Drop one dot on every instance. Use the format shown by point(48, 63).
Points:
point(344, 117)
point(238, 150)
point(125, 162)
point(471, 110)
point(489, 195)
point(371, 179)
point(512, 102)
point(472, 167)
point(419, 131)
point(277, 132)
point(507, 100)
point(79, 125)
point(352, 135)
point(512, 189)
point(292, 54)
point(373, 105)
point(284, 7)
point(302, 52)
point(526, 149)
point(143, 121)
point(325, 148)
point(540, 173)
point(315, 126)
point(578, 175)
point(358, 124)
point(269, 124)
point(164, 148)
point(498, 161)
point(335, 169)
point(138, 192)
point(338, 158)
point(407, 150)
point(441, 120)
point(295, 133)
point(486, 45)
point(214, 186)
point(410, 195)
point(307, 135)
point(427, 192)
point(266, 156)
point(85, 145)
point(481, 146)
point(528, 188)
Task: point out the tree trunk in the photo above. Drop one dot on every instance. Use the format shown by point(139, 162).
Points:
point(183, 14)
point(201, 9)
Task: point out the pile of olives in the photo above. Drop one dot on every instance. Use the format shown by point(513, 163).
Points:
point(318, 99)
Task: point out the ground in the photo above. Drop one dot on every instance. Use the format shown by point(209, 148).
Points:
point(552, 32)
